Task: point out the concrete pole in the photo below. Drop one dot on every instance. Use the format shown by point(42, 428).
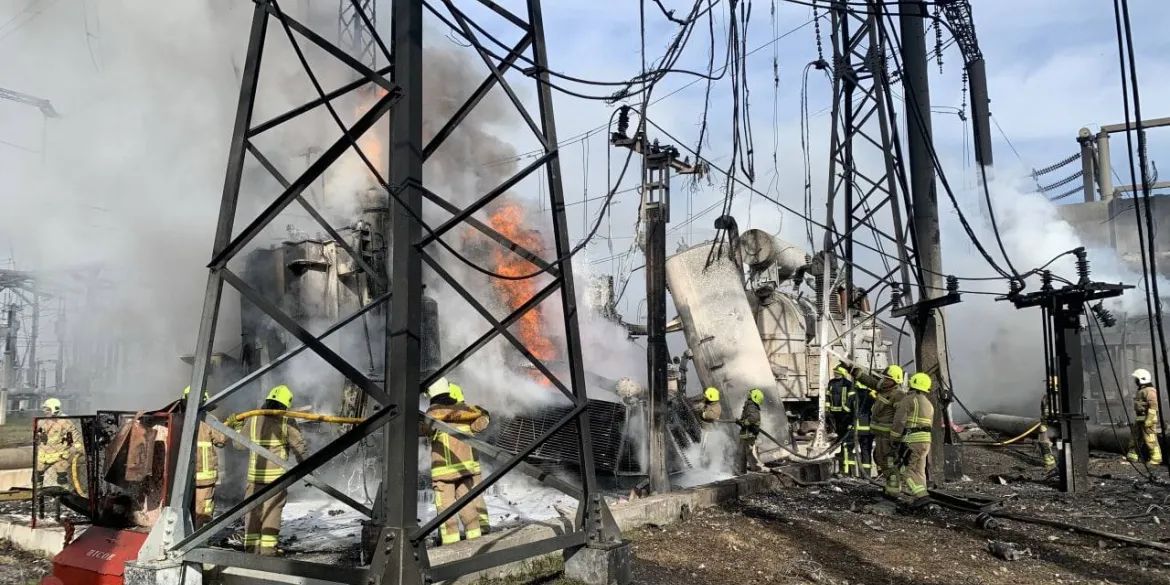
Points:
point(657, 354)
point(1085, 138)
point(930, 350)
point(10, 376)
point(34, 370)
point(1104, 167)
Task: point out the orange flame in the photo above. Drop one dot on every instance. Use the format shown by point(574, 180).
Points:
point(510, 219)
point(370, 143)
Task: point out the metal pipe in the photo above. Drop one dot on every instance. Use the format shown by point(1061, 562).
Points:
point(1101, 437)
point(16, 457)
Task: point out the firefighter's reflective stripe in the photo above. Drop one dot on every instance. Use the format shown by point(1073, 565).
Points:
point(916, 437)
point(205, 471)
point(917, 421)
point(879, 427)
point(267, 472)
point(915, 488)
point(269, 541)
point(459, 467)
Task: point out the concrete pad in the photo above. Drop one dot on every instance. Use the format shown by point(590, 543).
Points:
point(48, 540)
point(15, 478)
point(605, 565)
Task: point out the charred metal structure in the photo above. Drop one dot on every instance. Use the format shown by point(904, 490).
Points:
point(399, 549)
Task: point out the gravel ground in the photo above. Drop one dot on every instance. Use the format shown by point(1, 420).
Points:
point(20, 568)
point(845, 533)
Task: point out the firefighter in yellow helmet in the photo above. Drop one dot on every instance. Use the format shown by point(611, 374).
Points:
point(1145, 422)
point(60, 451)
point(708, 408)
point(840, 398)
point(454, 470)
point(280, 435)
point(910, 431)
point(207, 443)
point(887, 393)
point(749, 430)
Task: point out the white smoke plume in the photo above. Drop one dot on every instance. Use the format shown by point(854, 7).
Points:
point(996, 350)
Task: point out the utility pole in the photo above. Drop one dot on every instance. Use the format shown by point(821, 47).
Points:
point(33, 372)
point(9, 362)
point(658, 162)
point(1088, 163)
point(1062, 311)
point(930, 348)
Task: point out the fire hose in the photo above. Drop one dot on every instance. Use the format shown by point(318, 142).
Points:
point(832, 447)
point(1014, 439)
point(309, 416)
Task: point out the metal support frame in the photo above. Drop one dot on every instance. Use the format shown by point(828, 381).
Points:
point(400, 555)
point(861, 200)
point(1062, 311)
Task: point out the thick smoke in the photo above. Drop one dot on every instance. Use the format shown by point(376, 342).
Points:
point(996, 350)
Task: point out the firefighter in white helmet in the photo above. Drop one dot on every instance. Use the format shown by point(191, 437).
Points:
point(454, 470)
point(1145, 422)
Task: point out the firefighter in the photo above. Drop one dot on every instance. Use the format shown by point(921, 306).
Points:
point(749, 429)
point(280, 435)
point(1043, 441)
point(708, 408)
point(454, 470)
point(886, 395)
point(910, 431)
point(206, 465)
point(840, 409)
point(1145, 421)
point(863, 401)
point(59, 445)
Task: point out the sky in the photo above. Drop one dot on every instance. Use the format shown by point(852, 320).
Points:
point(134, 167)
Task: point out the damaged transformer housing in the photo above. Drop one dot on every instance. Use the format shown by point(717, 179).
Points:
point(760, 331)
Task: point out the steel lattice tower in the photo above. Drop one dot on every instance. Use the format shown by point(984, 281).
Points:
point(400, 553)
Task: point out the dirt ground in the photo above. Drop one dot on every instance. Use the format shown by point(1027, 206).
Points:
point(841, 533)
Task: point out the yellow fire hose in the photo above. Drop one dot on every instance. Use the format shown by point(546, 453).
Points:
point(1014, 439)
point(75, 476)
point(309, 416)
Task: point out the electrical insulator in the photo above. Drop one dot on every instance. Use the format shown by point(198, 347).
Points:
point(1082, 264)
point(952, 284)
point(895, 295)
point(1046, 280)
point(623, 120)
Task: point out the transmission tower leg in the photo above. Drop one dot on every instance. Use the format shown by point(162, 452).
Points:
point(399, 559)
point(930, 352)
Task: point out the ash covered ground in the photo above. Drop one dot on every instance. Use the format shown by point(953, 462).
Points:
point(841, 533)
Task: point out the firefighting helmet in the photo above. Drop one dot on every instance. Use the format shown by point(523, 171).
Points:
point(757, 396)
point(711, 394)
point(52, 406)
point(1142, 376)
point(282, 395)
point(438, 388)
point(920, 382)
point(895, 372)
point(456, 392)
point(187, 392)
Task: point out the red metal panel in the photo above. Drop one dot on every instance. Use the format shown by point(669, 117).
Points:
point(98, 551)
